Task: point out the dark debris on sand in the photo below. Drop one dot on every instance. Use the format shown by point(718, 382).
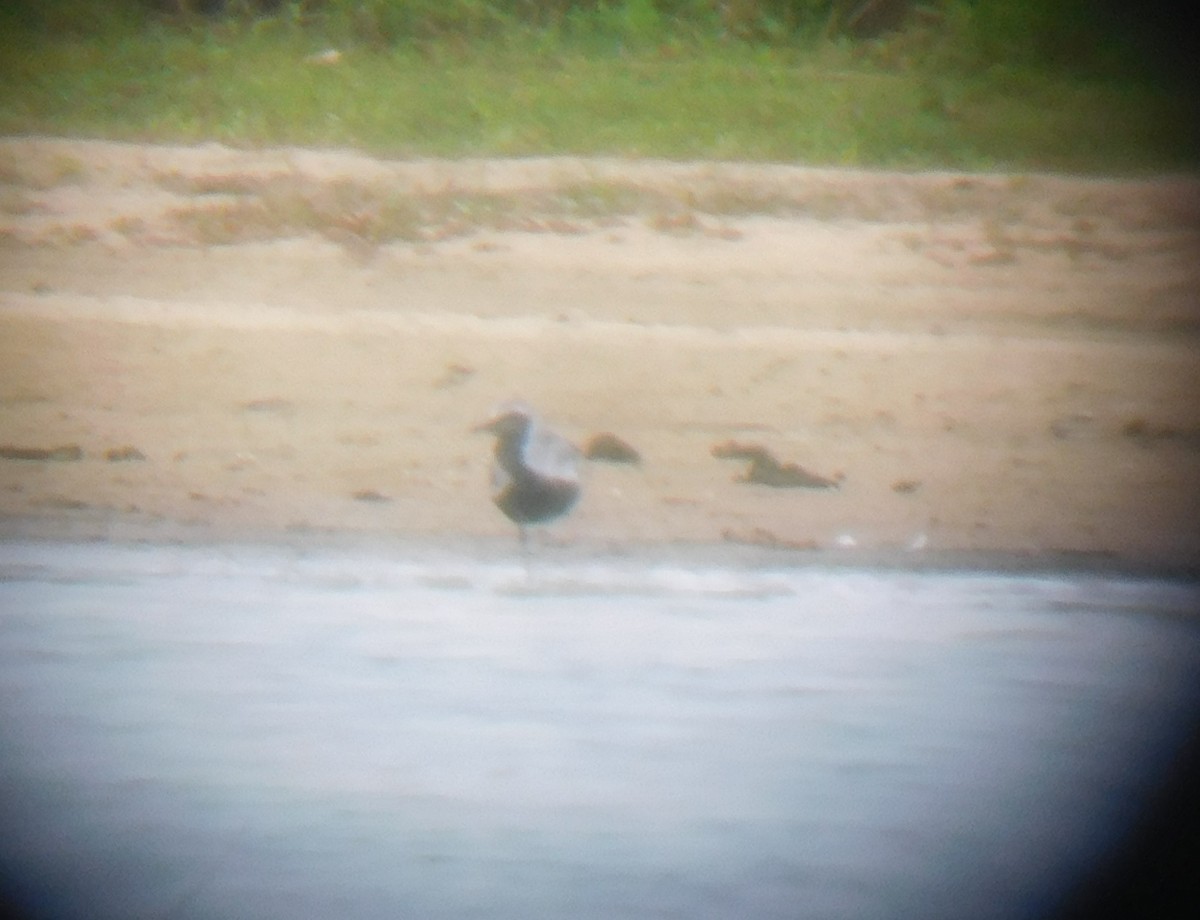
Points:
point(608, 448)
point(66, 453)
point(766, 470)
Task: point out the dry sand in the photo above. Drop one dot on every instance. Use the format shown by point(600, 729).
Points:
point(991, 363)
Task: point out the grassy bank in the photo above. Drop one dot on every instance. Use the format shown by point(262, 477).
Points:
point(517, 89)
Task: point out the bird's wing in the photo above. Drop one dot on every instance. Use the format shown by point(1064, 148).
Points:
point(552, 456)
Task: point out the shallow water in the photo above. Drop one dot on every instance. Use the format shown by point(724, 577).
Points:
point(265, 732)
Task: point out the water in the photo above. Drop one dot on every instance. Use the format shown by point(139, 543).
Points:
point(266, 732)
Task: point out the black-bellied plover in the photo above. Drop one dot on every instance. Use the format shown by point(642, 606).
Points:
point(535, 474)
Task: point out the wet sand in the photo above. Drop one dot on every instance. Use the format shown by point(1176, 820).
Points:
point(993, 365)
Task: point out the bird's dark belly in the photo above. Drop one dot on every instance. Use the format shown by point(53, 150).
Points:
point(529, 501)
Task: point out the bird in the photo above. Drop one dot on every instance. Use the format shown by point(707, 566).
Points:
point(535, 470)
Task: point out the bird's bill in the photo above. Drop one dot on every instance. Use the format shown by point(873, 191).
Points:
point(502, 416)
point(485, 427)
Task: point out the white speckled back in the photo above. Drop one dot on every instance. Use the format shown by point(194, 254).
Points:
point(550, 454)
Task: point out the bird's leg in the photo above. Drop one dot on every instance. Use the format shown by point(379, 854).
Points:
point(523, 536)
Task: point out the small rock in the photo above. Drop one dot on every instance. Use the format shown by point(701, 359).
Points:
point(370, 495)
point(906, 486)
point(608, 448)
point(123, 454)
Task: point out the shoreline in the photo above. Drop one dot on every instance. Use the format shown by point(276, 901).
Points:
point(553, 553)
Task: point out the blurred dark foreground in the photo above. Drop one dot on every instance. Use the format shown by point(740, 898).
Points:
point(264, 732)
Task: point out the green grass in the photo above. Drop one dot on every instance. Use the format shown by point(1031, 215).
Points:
point(521, 91)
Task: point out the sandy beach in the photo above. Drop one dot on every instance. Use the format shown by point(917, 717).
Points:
point(983, 363)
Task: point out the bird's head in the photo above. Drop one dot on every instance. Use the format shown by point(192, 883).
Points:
point(509, 419)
